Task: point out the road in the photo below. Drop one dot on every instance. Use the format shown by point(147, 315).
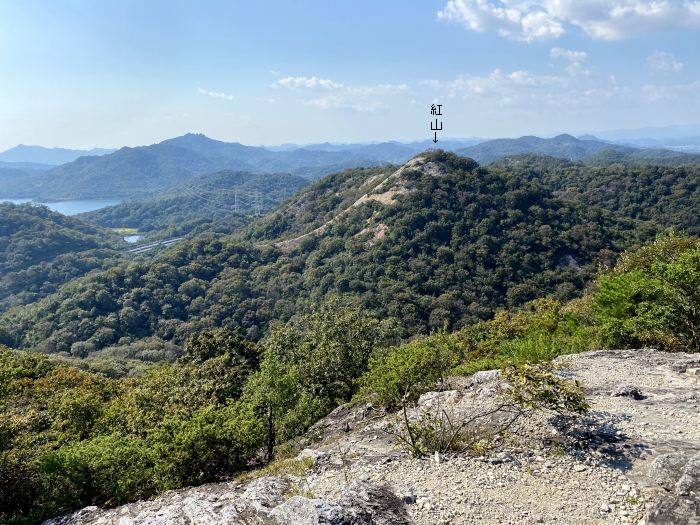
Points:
point(146, 247)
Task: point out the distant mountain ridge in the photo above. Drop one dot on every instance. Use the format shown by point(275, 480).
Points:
point(24, 166)
point(680, 138)
point(562, 146)
point(130, 172)
point(51, 156)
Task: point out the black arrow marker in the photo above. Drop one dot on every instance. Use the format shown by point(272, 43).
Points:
point(435, 139)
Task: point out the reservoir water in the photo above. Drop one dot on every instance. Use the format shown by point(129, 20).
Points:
point(71, 207)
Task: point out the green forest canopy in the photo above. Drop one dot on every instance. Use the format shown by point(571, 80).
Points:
point(457, 242)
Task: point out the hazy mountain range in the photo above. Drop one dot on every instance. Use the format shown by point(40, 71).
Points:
point(50, 156)
point(130, 172)
point(562, 146)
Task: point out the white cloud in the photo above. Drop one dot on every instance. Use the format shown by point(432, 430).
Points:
point(509, 18)
point(664, 62)
point(530, 20)
point(665, 92)
point(575, 60)
point(379, 89)
point(214, 94)
point(307, 83)
point(500, 87)
point(523, 89)
point(525, 92)
point(340, 96)
point(497, 81)
point(338, 101)
point(567, 54)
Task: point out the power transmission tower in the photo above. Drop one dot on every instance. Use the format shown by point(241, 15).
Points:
point(258, 204)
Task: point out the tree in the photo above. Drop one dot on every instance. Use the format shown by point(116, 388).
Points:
point(331, 348)
point(208, 445)
point(403, 373)
point(274, 392)
point(223, 359)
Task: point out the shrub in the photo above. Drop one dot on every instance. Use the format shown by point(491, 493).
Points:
point(537, 387)
point(529, 388)
point(277, 397)
point(207, 446)
point(404, 372)
point(20, 481)
point(438, 431)
point(652, 297)
point(538, 331)
point(107, 469)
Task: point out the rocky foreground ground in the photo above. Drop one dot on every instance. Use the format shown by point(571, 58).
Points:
point(634, 458)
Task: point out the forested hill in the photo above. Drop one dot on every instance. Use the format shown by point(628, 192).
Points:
point(438, 242)
point(224, 200)
point(667, 195)
point(41, 249)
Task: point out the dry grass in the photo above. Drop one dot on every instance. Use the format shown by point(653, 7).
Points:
point(280, 467)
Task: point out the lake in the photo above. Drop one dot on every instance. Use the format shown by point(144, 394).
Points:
point(71, 207)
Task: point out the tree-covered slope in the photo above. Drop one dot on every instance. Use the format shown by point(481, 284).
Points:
point(667, 195)
point(213, 200)
point(437, 242)
point(41, 249)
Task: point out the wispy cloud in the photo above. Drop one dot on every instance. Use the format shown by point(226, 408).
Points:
point(567, 54)
point(215, 94)
point(307, 83)
point(575, 60)
point(329, 94)
point(339, 101)
point(663, 62)
point(524, 89)
point(531, 20)
point(663, 92)
point(497, 84)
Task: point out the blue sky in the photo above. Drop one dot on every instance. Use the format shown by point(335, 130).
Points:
point(113, 73)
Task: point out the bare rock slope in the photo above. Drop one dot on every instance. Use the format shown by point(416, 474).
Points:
point(635, 458)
